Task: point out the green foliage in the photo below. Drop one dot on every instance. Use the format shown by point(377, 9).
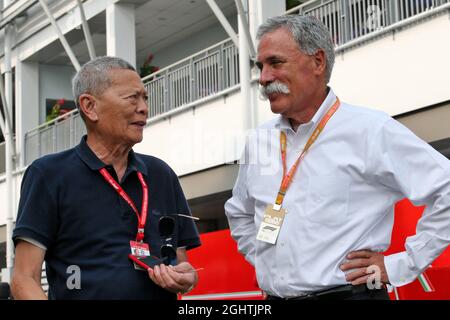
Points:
point(147, 68)
point(56, 110)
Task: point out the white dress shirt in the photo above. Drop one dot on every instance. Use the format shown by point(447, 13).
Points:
point(341, 199)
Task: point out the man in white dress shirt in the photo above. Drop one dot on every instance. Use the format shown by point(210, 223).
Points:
point(313, 205)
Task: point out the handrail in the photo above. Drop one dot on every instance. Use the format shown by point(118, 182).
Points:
point(57, 119)
point(352, 22)
point(179, 62)
point(16, 172)
point(57, 135)
point(393, 27)
point(192, 104)
point(204, 74)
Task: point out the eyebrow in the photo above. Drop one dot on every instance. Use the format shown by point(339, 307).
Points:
point(269, 58)
point(276, 57)
point(133, 92)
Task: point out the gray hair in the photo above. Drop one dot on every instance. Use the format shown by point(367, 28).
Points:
point(93, 76)
point(309, 33)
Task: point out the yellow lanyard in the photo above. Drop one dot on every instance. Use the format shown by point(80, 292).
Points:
point(287, 178)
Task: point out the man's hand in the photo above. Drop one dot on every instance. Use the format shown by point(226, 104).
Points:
point(360, 261)
point(177, 279)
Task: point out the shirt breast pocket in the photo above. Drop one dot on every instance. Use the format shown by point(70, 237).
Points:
point(327, 200)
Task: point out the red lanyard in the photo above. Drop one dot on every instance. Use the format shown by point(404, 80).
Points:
point(142, 218)
point(287, 178)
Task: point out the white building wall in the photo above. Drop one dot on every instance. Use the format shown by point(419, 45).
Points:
point(200, 138)
point(54, 83)
point(399, 73)
point(121, 32)
point(27, 102)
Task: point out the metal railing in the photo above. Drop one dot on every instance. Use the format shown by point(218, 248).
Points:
point(57, 135)
point(348, 20)
point(203, 74)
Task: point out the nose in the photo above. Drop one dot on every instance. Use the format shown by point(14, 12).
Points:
point(142, 107)
point(266, 76)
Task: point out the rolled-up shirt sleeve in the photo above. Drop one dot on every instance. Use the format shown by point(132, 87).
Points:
point(240, 211)
point(37, 217)
point(413, 169)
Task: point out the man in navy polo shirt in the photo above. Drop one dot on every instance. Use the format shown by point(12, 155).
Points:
point(84, 210)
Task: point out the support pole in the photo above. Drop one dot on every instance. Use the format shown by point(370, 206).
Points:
point(223, 21)
point(245, 77)
point(61, 37)
point(245, 27)
point(6, 96)
point(86, 31)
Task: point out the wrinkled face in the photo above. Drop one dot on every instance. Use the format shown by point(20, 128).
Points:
point(122, 108)
point(280, 60)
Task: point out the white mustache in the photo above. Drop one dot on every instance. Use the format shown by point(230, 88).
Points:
point(273, 87)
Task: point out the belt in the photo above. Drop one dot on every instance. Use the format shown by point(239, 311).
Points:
point(339, 292)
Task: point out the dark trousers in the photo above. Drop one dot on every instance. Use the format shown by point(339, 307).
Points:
point(346, 292)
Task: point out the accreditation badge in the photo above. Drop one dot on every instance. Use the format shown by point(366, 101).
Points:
point(139, 250)
point(271, 224)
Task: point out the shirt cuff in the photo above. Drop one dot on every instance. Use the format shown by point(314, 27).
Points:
point(27, 233)
point(33, 242)
point(400, 269)
point(189, 243)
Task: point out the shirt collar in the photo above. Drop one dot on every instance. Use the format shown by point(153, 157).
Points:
point(135, 163)
point(283, 123)
point(94, 163)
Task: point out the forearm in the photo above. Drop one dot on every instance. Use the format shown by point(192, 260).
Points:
point(27, 288)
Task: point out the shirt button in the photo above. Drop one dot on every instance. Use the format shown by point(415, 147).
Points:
point(282, 244)
point(282, 278)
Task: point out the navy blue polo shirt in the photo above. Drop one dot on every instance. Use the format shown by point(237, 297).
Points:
point(68, 206)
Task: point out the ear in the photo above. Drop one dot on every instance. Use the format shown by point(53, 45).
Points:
point(320, 62)
point(88, 104)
